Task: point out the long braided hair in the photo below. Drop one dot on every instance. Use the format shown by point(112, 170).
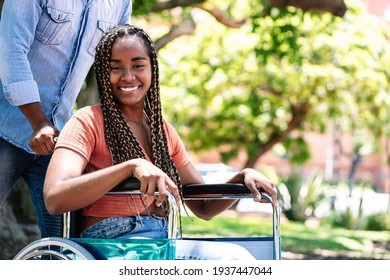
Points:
point(121, 141)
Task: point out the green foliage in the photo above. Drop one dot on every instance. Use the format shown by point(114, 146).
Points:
point(142, 7)
point(345, 219)
point(338, 63)
point(349, 220)
point(296, 150)
point(300, 198)
point(282, 36)
point(378, 221)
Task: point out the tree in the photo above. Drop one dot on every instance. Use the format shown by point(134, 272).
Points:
point(222, 15)
point(282, 73)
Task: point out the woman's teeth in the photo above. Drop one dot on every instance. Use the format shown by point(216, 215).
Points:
point(128, 89)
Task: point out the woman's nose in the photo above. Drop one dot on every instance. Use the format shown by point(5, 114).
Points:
point(128, 75)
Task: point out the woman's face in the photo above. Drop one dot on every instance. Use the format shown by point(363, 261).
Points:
point(130, 71)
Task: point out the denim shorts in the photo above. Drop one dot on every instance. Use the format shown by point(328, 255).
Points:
point(151, 226)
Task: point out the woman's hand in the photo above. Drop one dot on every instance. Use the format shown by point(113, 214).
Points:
point(254, 180)
point(154, 179)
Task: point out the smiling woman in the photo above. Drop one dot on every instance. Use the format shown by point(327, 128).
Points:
point(125, 136)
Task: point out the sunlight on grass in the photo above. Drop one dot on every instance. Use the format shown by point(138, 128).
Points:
point(296, 237)
point(222, 226)
point(349, 243)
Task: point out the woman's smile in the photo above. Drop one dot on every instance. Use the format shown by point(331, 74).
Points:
point(129, 89)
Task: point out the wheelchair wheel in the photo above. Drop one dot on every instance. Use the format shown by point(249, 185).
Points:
point(54, 248)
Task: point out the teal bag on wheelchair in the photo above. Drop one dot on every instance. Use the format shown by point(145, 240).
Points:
point(129, 249)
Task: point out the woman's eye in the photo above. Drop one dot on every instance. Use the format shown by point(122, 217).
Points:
point(113, 67)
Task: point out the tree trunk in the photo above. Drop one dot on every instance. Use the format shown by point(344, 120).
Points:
point(335, 7)
point(299, 113)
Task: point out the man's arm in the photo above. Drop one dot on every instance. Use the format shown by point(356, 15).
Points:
point(17, 29)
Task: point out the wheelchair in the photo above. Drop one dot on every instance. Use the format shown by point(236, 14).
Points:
point(71, 247)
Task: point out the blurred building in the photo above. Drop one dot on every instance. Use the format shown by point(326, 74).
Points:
point(380, 8)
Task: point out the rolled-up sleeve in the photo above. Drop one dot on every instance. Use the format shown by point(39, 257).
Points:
point(22, 93)
point(17, 29)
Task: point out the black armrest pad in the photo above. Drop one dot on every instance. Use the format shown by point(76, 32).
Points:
point(226, 188)
point(130, 184)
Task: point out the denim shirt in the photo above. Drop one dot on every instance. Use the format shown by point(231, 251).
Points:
point(46, 50)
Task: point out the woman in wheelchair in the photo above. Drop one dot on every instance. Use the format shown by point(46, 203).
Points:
point(125, 136)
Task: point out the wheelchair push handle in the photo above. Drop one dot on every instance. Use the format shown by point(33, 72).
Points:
point(221, 191)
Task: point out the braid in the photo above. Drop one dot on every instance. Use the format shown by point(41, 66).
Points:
point(120, 139)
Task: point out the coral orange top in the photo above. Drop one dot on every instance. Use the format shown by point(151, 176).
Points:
point(84, 134)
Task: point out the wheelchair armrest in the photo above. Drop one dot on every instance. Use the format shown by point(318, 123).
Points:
point(222, 191)
point(130, 184)
point(216, 189)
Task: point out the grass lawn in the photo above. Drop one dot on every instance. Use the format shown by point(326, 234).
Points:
point(298, 240)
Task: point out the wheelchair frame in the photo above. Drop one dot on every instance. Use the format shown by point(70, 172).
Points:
point(69, 247)
point(262, 248)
